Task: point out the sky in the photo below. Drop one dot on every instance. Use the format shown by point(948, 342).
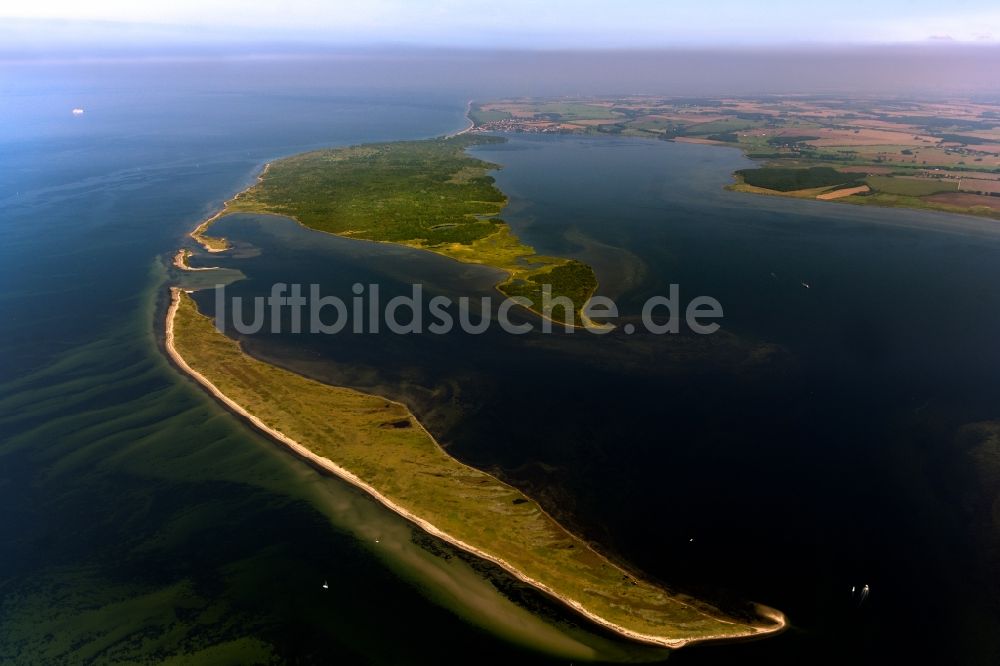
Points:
point(558, 24)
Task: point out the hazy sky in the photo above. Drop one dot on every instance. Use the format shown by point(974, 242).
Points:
point(527, 23)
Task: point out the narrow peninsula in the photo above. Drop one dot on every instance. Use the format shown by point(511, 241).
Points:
point(379, 446)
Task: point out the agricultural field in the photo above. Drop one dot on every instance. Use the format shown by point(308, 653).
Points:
point(979, 184)
point(911, 187)
point(964, 200)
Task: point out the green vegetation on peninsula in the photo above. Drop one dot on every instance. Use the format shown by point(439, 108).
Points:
point(425, 194)
point(379, 445)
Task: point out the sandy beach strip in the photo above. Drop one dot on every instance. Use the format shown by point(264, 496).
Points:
point(468, 128)
point(180, 262)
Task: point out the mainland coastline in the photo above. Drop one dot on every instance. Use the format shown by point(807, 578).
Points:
point(929, 155)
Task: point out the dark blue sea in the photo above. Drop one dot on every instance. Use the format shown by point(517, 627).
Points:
point(840, 430)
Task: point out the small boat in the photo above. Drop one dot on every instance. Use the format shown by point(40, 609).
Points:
point(806, 285)
point(78, 111)
point(326, 586)
point(861, 596)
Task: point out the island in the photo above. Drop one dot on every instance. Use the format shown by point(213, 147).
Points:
point(379, 446)
point(934, 155)
point(426, 194)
